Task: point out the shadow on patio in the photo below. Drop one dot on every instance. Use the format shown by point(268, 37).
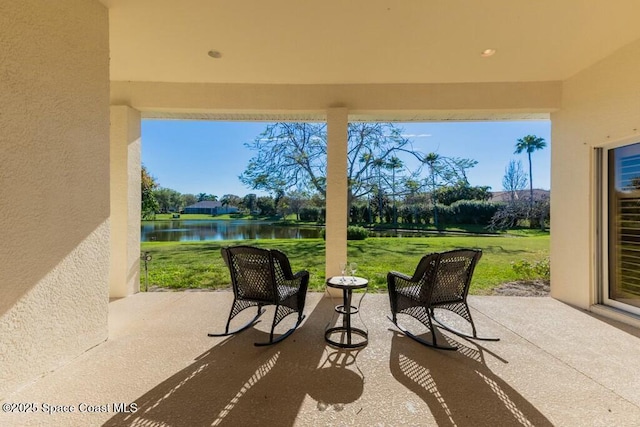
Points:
point(458, 386)
point(554, 365)
point(235, 383)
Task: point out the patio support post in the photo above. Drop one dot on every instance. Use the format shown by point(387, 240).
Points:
point(336, 221)
point(124, 270)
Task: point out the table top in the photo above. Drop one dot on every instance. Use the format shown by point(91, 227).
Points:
point(347, 282)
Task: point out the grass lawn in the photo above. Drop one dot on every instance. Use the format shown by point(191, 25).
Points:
point(199, 264)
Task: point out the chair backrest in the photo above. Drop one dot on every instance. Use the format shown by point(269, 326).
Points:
point(447, 275)
point(252, 272)
point(256, 272)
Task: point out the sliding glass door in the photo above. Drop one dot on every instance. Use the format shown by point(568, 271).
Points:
point(623, 190)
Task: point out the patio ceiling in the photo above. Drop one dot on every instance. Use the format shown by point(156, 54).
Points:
point(364, 41)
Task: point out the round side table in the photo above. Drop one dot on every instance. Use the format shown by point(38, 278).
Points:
point(347, 284)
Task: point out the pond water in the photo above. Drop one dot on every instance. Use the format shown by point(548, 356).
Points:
point(182, 231)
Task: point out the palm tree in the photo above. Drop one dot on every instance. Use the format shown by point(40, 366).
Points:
point(378, 164)
point(393, 164)
point(530, 143)
point(431, 160)
point(412, 186)
point(366, 159)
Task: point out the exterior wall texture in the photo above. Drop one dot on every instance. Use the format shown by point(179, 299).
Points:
point(600, 105)
point(125, 169)
point(336, 226)
point(54, 184)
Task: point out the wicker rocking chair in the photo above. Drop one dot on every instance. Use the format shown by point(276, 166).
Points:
point(441, 281)
point(263, 277)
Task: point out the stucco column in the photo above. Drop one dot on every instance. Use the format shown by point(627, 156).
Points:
point(124, 278)
point(336, 227)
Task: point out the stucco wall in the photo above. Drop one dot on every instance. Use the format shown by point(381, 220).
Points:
point(54, 184)
point(600, 105)
point(336, 227)
point(126, 192)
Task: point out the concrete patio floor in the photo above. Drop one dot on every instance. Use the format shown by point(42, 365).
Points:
point(554, 365)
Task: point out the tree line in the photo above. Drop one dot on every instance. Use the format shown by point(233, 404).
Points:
point(158, 200)
point(290, 165)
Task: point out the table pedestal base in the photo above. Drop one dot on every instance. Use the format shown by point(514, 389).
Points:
point(348, 332)
point(346, 310)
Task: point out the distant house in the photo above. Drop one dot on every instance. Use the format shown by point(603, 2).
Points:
point(209, 207)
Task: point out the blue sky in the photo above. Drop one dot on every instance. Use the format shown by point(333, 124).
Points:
point(207, 157)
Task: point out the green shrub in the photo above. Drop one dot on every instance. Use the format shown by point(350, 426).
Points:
point(525, 269)
point(467, 212)
point(474, 211)
point(354, 232)
point(446, 215)
point(310, 214)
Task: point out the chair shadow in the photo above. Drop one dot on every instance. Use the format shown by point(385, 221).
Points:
point(237, 384)
point(458, 386)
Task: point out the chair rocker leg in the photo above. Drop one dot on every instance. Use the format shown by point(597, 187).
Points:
point(420, 340)
point(261, 310)
point(281, 337)
point(473, 336)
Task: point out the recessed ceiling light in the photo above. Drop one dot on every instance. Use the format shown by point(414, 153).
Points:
point(487, 53)
point(214, 54)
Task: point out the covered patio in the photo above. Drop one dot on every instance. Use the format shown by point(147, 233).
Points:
point(78, 76)
point(554, 365)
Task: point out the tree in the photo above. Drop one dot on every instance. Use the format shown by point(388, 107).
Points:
point(289, 156)
point(411, 198)
point(293, 156)
point(378, 164)
point(205, 196)
point(231, 200)
point(364, 159)
point(188, 199)
point(149, 204)
point(445, 171)
point(379, 204)
point(431, 160)
point(295, 201)
point(266, 205)
point(168, 200)
point(461, 190)
point(514, 179)
point(249, 201)
point(394, 164)
point(512, 214)
point(529, 144)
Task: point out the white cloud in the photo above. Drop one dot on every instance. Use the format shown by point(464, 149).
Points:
point(419, 135)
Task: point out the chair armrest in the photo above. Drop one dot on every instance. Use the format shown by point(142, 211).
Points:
point(300, 274)
point(304, 281)
point(297, 285)
point(397, 280)
point(298, 280)
point(399, 275)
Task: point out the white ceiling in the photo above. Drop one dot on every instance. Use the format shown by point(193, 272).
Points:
point(364, 41)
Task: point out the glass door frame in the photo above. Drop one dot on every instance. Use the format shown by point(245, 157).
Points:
point(602, 223)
